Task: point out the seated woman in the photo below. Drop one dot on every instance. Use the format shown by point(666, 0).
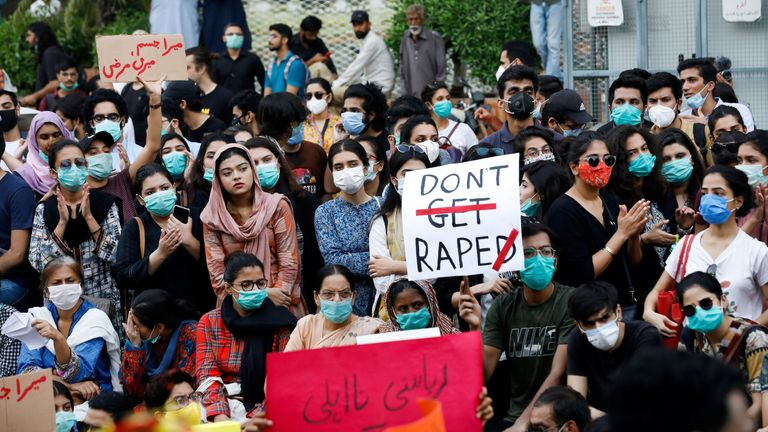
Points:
point(335, 325)
point(233, 341)
point(173, 392)
point(83, 350)
point(160, 335)
point(541, 183)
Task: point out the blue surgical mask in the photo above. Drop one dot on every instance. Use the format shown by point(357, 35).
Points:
point(175, 163)
point(415, 320)
point(538, 272)
point(43, 156)
point(235, 41)
point(161, 203)
point(297, 135)
point(353, 122)
point(677, 171)
point(642, 165)
point(571, 132)
point(113, 128)
point(626, 114)
point(696, 101)
point(336, 312)
point(530, 208)
point(754, 174)
point(268, 175)
point(208, 175)
point(371, 176)
point(714, 209)
point(443, 108)
point(72, 178)
point(100, 165)
point(65, 421)
point(251, 300)
point(706, 321)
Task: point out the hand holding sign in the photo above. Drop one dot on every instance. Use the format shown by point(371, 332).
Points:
point(469, 308)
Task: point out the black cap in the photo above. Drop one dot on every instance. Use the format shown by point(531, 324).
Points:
point(186, 90)
point(102, 136)
point(568, 103)
point(359, 16)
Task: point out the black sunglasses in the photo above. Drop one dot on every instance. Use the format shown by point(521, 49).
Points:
point(731, 147)
point(593, 161)
point(66, 163)
point(706, 304)
point(402, 148)
point(318, 95)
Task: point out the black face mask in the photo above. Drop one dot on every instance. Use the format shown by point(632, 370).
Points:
point(8, 119)
point(520, 106)
point(361, 34)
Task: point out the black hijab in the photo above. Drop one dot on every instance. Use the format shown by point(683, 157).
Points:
point(77, 230)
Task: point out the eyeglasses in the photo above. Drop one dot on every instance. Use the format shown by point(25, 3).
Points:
point(317, 95)
point(66, 163)
point(485, 151)
point(546, 252)
point(403, 148)
point(594, 161)
point(184, 400)
point(731, 147)
point(706, 304)
point(330, 295)
point(98, 118)
point(249, 285)
point(534, 152)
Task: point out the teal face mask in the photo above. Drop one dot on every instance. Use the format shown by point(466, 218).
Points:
point(443, 108)
point(642, 165)
point(152, 340)
point(336, 312)
point(163, 132)
point(208, 175)
point(65, 421)
point(530, 208)
point(161, 203)
point(754, 174)
point(43, 156)
point(100, 166)
point(626, 115)
point(235, 41)
point(415, 320)
point(69, 88)
point(251, 300)
point(538, 272)
point(175, 163)
point(677, 171)
point(706, 321)
point(113, 128)
point(397, 140)
point(72, 178)
point(268, 175)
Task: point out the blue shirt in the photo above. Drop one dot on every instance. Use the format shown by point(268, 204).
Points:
point(297, 75)
point(502, 139)
point(17, 211)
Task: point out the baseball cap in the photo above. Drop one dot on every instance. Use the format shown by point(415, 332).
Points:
point(359, 16)
point(186, 90)
point(568, 103)
point(102, 136)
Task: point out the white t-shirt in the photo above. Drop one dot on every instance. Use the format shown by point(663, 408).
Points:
point(463, 137)
point(10, 148)
point(742, 269)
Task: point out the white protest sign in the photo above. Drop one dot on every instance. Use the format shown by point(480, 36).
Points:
point(463, 219)
point(741, 10)
point(605, 13)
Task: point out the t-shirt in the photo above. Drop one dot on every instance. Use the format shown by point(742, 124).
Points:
point(529, 336)
point(239, 74)
point(120, 185)
point(742, 269)
point(309, 165)
point(17, 210)
point(463, 138)
point(297, 74)
point(216, 103)
point(602, 367)
point(46, 69)
point(10, 148)
point(211, 125)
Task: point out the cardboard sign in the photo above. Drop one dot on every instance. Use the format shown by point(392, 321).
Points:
point(605, 13)
point(373, 387)
point(123, 58)
point(463, 219)
point(741, 10)
point(26, 403)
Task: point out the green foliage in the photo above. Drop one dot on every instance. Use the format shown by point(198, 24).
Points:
point(125, 23)
point(15, 56)
point(475, 29)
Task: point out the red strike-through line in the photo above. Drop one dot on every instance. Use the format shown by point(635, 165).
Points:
point(505, 250)
point(455, 209)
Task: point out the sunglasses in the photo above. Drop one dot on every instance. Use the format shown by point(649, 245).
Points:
point(731, 147)
point(485, 151)
point(706, 304)
point(317, 95)
point(402, 148)
point(593, 161)
point(98, 118)
point(66, 163)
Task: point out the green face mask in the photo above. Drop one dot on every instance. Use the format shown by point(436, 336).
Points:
point(161, 203)
point(251, 300)
point(72, 178)
point(175, 163)
point(100, 166)
point(415, 320)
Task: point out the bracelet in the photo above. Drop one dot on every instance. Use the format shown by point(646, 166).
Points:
point(155, 106)
point(610, 252)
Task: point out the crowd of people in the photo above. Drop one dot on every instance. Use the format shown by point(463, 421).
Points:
point(168, 236)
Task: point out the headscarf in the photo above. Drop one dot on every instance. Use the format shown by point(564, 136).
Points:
point(439, 319)
point(252, 233)
point(35, 171)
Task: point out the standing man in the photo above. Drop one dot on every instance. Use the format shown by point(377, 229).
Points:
point(373, 64)
point(422, 54)
point(215, 97)
point(312, 49)
point(236, 69)
point(547, 31)
point(287, 72)
point(517, 87)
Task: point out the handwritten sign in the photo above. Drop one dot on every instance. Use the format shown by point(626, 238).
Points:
point(22, 395)
point(372, 387)
point(742, 10)
point(463, 219)
point(123, 58)
point(605, 13)
point(431, 422)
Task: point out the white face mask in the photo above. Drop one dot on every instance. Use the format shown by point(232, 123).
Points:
point(661, 116)
point(541, 157)
point(316, 106)
point(65, 297)
point(500, 71)
point(400, 186)
point(604, 337)
point(432, 149)
point(349, 180)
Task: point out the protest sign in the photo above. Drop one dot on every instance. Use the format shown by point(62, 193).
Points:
point(373, 387)
point(123, 58)
point(741, 10)
point(431, 422)
point(605, 13)
point(23, 395)
point(463, 219)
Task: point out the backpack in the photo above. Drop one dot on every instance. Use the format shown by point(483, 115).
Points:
point(287, 68)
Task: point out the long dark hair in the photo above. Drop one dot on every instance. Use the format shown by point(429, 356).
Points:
point(45, 38)
point(147, 171)
point(393, 199)
point(738, 183)
point(573, 148)
point(154, 306)
point(349, 145)
point(622, 183)
point(228, 153)
point(287, 180)
point(381, 156)
point(550, 181)
point(196, 184)
point(334, 269)
point(676, 136)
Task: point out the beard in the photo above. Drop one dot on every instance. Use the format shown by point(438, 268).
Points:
point(361, 34)
point(274, 48)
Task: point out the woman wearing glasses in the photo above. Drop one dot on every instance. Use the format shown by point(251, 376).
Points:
point(320, 123)
point(79, 223)
point(335, 325)
point(160, 335)
point(738, 261)
point(173, 392)
point(600, 239)
point(736, 341)
point(535, 144)
point(234, 340)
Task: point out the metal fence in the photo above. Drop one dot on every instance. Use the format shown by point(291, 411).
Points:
point(654, 35)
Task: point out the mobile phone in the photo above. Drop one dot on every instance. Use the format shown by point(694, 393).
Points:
point(181, 213)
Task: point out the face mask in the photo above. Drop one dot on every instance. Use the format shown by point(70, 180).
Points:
point(397, 140)
point(414, 320)
point(163, 133)
point(336, 312)
point(65, 421)
point(8, 119)
point(714, 209)
point(69, 88)
point(443, 108)
point(538, 272)
point(626, 115)
point(499, 72)
point(100, 166)
point(152, 339)
point(661, 116)
point(235, 41)
point(605, 336)
point(530, 208)
point(43, 156)
point(520, 106)
point(161, 203)
point(706, 321)
point(677, 171)
point(432, 149)
point(72, 178)
point(400, 186)
point(297, 135)
point(175, 163)
point(208, 175)
point(415, 30)
point(268, 175)
point(595, 176)
point(537, 111)
point(754, 174)
point(696, 101)
point(542, 157)
point(316, 106)
point(349, 180)
point(188, 416)
point(371, 176)
point(113, 128)
point(353, 122)
point(642, 165)
point(64, 297)
point(251, 300)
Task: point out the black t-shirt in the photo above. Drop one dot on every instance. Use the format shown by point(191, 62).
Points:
point(602, 367)
point(217, 103)
point(211, 125)
point(46, 69)
point(136, 101)
point(312, 49)
point(238, 75)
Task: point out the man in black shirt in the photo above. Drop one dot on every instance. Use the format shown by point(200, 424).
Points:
point(310, 48)
point(215, 97)
point(186, 95)
point(136, 99)
point(236, 69)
